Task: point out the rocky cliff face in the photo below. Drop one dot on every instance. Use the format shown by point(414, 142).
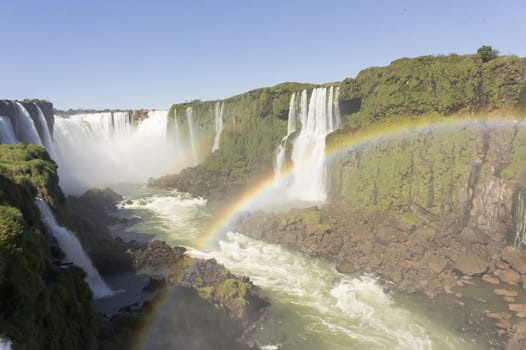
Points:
point(255, 122)
point(468, 174)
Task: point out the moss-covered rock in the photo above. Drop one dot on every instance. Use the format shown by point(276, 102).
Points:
point(41, 305)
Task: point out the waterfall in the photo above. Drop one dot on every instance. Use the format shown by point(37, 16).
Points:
point(218, 124)
point(282, 148)
point(317, 118)
point(178, 134)
point(69, 243)
point(121, 123)
point(7, 134)
point(100, 149)
point(45, 134)
point(519, 217)
point(190, 121)
point(25, 126)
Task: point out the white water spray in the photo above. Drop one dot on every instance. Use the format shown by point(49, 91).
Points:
point(25, 126)
point(7, 134)
point(45, 134)
point(282, 148)
point(218, 120)
point(320, 118)
point(339, 309)
point(100, 149)
point(71, 246)
point(190, 122)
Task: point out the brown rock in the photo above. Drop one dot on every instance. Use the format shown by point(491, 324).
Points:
point(480, 300)
point(518, 339)
point(517, 307)
point(510, 277)
point(509, 299)
point(505, 324)
point(471, 264)
point(469, 235)
point(505, 292)
point(435, 263)
point(499, 315)
point(516, 258)
point(491, 280)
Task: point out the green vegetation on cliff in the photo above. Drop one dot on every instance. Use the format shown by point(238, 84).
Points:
point(41, 305)
point(442, 84)
point(255, 122)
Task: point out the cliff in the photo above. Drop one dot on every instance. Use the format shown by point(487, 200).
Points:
point(41, 304)
point(7, 109)
point(255, 122)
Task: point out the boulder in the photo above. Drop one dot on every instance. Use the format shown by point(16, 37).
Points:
point(517, 307)
point(435, 263)
point(489, 279)
point(505, 292)
point(516, 258)
point(508, 276)
point(471, 264)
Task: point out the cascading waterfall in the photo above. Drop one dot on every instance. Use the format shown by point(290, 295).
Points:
point(100, 149)
point(282, 148)
point(73, 250)
point(321, 117)
point(7, 133)
point(190, 121)
point(218, 119)
point(45, 134)
point(121, 122)
point(25, 126)
point(519, 217)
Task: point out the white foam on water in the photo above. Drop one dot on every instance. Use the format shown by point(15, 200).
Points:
point(336, 304)
point(179, 211)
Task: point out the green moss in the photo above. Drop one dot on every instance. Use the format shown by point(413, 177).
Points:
point(311, 216)
point(233, 290)
point(41, 305)
point(206, 293)
point(421, 171)
point(442, 84)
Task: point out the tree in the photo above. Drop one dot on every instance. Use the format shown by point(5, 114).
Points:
point(487, 53)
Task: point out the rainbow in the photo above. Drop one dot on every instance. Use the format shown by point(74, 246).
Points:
point(338, 143)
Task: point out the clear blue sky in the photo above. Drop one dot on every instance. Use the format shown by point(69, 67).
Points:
point(152, 53)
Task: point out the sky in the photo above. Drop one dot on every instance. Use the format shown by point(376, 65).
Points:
point(130, 54)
